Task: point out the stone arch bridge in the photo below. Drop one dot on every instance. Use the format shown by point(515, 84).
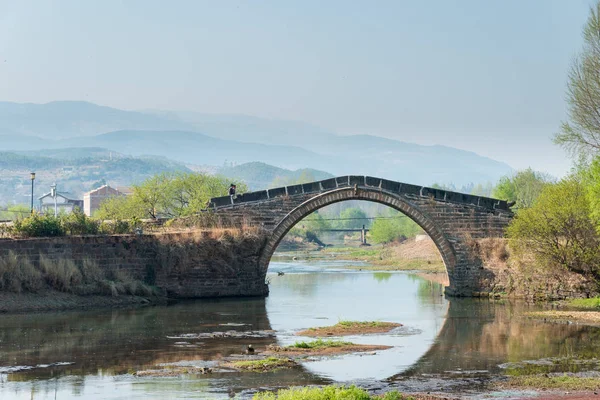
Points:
point(453, 220)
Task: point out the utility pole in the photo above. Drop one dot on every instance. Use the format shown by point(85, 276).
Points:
point(32, 179)
point(53, 192)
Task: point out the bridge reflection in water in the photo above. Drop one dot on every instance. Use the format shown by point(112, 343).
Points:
point(473, 335)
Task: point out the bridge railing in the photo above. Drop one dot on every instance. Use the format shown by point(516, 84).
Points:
point(362, 181)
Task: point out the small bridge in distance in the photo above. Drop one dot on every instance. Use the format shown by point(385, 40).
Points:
point(454, 221)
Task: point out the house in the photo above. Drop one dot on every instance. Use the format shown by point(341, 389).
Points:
point(63, 203)
point(93, 199)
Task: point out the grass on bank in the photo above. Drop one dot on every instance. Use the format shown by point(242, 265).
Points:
point(263, 365)
point(328, 393)
point(19, 274)
point(592, 303)
point(384, 259)
point(320, 344)
point(562, 382)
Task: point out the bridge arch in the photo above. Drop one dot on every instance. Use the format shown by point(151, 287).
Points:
point(376, 195)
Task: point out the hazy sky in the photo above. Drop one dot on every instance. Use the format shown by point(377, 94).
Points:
point(482, 75)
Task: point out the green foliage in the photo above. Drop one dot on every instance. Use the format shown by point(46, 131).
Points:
point(266, 364)
point(167, 195)
point(120, 208)
point(353, 218)
point(592, 303)
point(310, 225)
point(557, 230)
point(482, 189)
point(321, 344)
point(14, 212)
point(522, 188)
point(393, 226)
point(581, 133)
point(38, 225)
point(77, 223)
point(328, 393)
point(591, 178)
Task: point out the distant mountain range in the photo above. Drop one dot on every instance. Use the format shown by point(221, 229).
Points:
point(199, 140)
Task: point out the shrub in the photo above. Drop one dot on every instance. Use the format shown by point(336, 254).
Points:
point(62, 275)
point(18, 274)
point(557, 230)
point(38, 225)
point(77, 223)
point(328, 393)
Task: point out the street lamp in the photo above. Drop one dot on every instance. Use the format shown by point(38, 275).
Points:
point(32, 179)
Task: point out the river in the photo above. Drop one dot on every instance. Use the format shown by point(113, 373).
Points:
point(454, 345)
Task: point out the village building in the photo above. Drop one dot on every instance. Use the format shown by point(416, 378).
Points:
point(62, 203)
point(93, 199)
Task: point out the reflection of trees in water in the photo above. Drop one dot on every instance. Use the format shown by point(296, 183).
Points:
point(382, 276)
point(309, 283)
point(115, 341)
point(481, 334)
point(429, 292)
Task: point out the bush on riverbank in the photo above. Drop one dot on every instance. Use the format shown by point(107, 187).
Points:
point(329, 393)
point(75, 223)
point(19, 274)
point(558, 231)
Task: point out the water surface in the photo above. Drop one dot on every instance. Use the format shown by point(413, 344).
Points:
point(94, 355)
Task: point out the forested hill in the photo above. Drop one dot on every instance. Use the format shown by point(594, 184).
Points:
point(199, 139)
point(78, 170)
point(75, 175)
point(259, 175)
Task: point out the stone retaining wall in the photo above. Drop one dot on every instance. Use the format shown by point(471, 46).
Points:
point(183, 265)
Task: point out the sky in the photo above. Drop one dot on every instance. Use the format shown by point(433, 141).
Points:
point(482, 75)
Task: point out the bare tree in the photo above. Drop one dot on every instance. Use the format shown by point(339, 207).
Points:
point(580, 135)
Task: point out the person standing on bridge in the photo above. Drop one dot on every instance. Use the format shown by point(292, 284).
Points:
point(232, 191)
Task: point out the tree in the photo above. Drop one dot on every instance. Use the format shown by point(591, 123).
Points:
point(353, 218)
point(591, 178)
point(120, 208)
point(393, 225)
point(522, 188)
point(557, 229)
point(168, 195)
point(581, 133)
point(482, 190)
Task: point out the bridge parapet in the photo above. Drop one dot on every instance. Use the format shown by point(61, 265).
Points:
point(370, 182)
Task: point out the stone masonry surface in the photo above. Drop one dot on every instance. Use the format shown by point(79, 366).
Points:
point(453, 220)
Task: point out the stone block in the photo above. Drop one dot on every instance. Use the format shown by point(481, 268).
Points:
point(313, 187)
point(407, 188)
point(328, 184)
point(221, 201)
point(295, 189)
point(486, 202)
point(357, 180)
point(390, 186)
point(342, 180)
point(277, 192)
point(373, 182)
point(437, 194)
point(251, 196)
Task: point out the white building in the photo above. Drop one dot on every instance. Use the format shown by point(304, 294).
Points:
point(64, 203)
